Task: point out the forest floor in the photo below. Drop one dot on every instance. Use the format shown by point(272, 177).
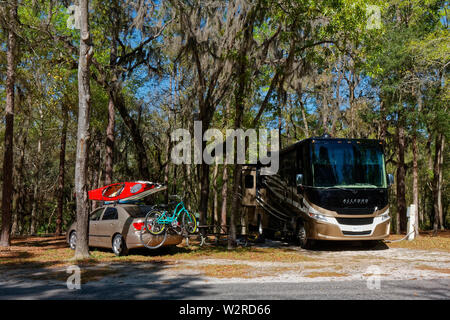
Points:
point(47, 259)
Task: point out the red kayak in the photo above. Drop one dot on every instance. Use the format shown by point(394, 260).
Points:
point(123, 190)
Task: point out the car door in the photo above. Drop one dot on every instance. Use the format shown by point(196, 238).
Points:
point(94, 219)
point(107, 226)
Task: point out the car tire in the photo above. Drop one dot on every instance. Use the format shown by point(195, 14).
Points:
point(73, 240)
point(119, 246)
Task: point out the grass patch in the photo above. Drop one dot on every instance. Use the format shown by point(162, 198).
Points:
point(53, 252)
point(249, 253)
point(319, 274)
point(429, 268)
point(375, 274)
point(423, 242)
point(245, 271)
point(310, 267)
point(227, 271)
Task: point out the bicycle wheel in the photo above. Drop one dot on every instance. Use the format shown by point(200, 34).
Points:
point(151, 223)
point(152, 241)
point(189, 222)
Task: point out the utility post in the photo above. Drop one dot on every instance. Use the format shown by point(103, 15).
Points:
point(411, 214)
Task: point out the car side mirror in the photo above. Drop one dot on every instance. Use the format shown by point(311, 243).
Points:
point(390, 179)
point(299, 180)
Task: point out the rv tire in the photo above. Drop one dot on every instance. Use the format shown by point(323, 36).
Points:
point(302, 238)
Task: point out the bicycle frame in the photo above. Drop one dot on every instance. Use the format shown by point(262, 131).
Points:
point(164, 219)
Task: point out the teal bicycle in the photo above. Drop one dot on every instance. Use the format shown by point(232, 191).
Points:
point(159, 221)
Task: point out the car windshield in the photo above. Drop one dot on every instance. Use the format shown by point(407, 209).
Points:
point(138, 211)
point(348, 165)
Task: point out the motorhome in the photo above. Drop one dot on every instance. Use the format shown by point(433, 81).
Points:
point(326, 189)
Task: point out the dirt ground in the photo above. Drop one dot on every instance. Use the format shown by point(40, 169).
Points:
point(428, 257)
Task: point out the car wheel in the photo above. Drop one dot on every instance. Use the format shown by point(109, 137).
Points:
point(73, 240)
point(118, 245)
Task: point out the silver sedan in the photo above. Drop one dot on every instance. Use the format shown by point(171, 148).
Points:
point(119, 226)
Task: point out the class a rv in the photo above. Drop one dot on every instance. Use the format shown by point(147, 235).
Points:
point(325, 189)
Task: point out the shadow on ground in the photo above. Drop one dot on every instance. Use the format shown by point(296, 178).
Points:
point(327, 245)
point(122, 281)
point(349, 246)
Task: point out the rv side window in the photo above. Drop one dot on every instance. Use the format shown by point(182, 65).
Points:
point(299, 160)
point(260, 181)
point(306, 164)
point(249, 181)
point(291, 167)
point(283, 166)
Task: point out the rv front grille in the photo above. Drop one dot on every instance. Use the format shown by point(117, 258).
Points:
point(356, 233)
point(353, 210)
point(355, 221)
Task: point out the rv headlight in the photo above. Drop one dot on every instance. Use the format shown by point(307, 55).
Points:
point(319, 217)
point(384, 216)
point(313, 213)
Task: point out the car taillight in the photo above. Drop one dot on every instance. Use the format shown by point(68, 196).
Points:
point(138, 225)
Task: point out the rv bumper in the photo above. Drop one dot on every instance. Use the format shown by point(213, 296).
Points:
point(319, 230)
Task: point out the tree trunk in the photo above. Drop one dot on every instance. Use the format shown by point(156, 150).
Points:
point(35, 205)
point(336, 110)
point(19, 196)
point(96, 175)
point(324, 111)
point(441, 176)
point(5, 237)
point(83, 138)
point(109, 155)
point(239, 98)
point(223, 212)
point(215, 215)
point(401, 176)
point(204, 191)
point(383, 122)
point(235, 205)
point(352, 106)
point(437, 180)
point(143, 163)
point(305, 121)
point(166, 171)
point(415, 183)
point(15, 215)
point(187, 179)
point(62, 162)
point(37, 177)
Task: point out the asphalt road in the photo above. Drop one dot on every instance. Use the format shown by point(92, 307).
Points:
point(185, 288)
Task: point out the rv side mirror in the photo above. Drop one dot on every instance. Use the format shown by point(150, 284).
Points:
point(390, 179)
point(299, 180)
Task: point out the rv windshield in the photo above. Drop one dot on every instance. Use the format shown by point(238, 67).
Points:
point(348, 165)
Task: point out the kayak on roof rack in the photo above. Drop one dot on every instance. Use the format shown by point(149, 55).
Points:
point(125, 191)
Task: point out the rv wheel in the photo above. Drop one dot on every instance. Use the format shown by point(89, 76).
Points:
point(302, 239)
